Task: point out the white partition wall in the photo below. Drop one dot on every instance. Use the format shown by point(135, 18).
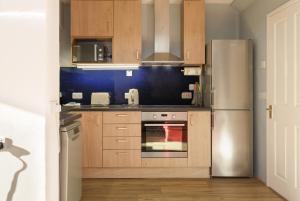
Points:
point(29, 93)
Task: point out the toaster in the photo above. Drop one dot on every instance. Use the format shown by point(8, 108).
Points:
point(100, 98)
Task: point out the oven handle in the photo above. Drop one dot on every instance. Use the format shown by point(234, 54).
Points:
point(154, 125)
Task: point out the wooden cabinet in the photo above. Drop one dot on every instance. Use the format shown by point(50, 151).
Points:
point(199, 139)
point(121, 130)
point(194, 31)
point(122, 143)
point(164, 162)
point(92, 18)
point(122, 117)
point(127, 32)
point(91, 129)
point(122, 139)
point(122, 158)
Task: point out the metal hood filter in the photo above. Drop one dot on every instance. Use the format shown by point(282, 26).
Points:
point(162, 54)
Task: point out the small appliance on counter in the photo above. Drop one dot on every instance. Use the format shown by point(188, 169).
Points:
point(132, 96)
point(100, 98)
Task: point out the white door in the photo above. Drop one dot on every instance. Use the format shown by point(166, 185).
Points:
point(283, 94)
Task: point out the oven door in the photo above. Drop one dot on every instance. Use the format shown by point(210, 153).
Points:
point(164, 139)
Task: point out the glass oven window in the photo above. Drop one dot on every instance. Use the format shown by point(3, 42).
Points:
point(164, 137)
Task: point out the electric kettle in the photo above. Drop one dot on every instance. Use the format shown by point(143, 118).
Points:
point(133, 97)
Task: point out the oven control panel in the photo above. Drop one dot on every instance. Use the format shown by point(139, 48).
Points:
point(164, 116)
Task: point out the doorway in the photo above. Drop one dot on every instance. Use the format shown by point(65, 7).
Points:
point(283, 99)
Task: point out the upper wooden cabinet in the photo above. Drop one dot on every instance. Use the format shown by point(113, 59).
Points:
point(199, 139)
point(92, 18)
point(194, 31)
point(127, 31)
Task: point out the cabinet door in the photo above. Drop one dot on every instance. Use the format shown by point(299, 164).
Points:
point(199, 139)
point(91, 18)
point(122, 158)
point(194, 31)
point(91, 139)
point(127, 31)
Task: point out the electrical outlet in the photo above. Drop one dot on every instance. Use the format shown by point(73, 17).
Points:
point(77, 95)
point(126, 95)
point(129, 73)
point(186, 95)
point(191, 87)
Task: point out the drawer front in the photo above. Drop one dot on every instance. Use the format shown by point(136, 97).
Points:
point(122, 117)
point(121, 158)
point(122, 143)
point(122, 130)
point(164, 162)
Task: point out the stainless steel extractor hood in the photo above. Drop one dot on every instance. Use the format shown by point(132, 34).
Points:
point(162, 54)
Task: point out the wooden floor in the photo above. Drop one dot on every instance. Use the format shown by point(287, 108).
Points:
point(176, 190)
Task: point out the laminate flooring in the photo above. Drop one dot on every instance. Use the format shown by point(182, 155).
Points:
point(176, 190)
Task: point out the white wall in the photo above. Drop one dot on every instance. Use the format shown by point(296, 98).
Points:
point(28, 83)
point(222, 22)
point(253, 25)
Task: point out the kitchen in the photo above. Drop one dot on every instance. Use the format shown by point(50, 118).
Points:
point(160, 100)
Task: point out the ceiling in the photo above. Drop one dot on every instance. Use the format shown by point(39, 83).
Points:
point(242, 5)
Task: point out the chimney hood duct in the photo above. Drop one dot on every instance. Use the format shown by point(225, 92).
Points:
point(162, 54)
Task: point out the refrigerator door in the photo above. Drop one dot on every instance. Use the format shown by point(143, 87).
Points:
point(232, 143)
point(231, 62)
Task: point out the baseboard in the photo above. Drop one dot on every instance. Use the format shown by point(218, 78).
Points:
point(146, 173)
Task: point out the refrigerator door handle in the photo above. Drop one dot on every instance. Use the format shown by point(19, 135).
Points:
point(212, 121)
point(212, 98)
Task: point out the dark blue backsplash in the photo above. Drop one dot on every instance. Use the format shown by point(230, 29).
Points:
point(156, 85)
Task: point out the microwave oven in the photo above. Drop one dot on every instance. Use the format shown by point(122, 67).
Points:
point(88, 52)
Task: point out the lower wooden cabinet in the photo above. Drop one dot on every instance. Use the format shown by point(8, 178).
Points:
point(121, 117)
point(111, 143)
point(122, 158)
point(199, 139)
point(122, 130)
point(164, 162)
point(91, 129)
point(122, 143)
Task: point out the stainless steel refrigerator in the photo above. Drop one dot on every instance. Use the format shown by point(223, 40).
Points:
point(229, 92)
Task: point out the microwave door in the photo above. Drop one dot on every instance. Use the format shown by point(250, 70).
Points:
point(85, 53)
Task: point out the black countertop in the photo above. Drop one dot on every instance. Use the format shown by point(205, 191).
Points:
point(142, 108)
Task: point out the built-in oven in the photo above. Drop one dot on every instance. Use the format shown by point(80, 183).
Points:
point(164, 135)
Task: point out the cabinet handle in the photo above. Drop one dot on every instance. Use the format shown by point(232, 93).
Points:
point(137, 55)
point(121, 140)
point(121, 153)
point(122, 115)
point(122, 128)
